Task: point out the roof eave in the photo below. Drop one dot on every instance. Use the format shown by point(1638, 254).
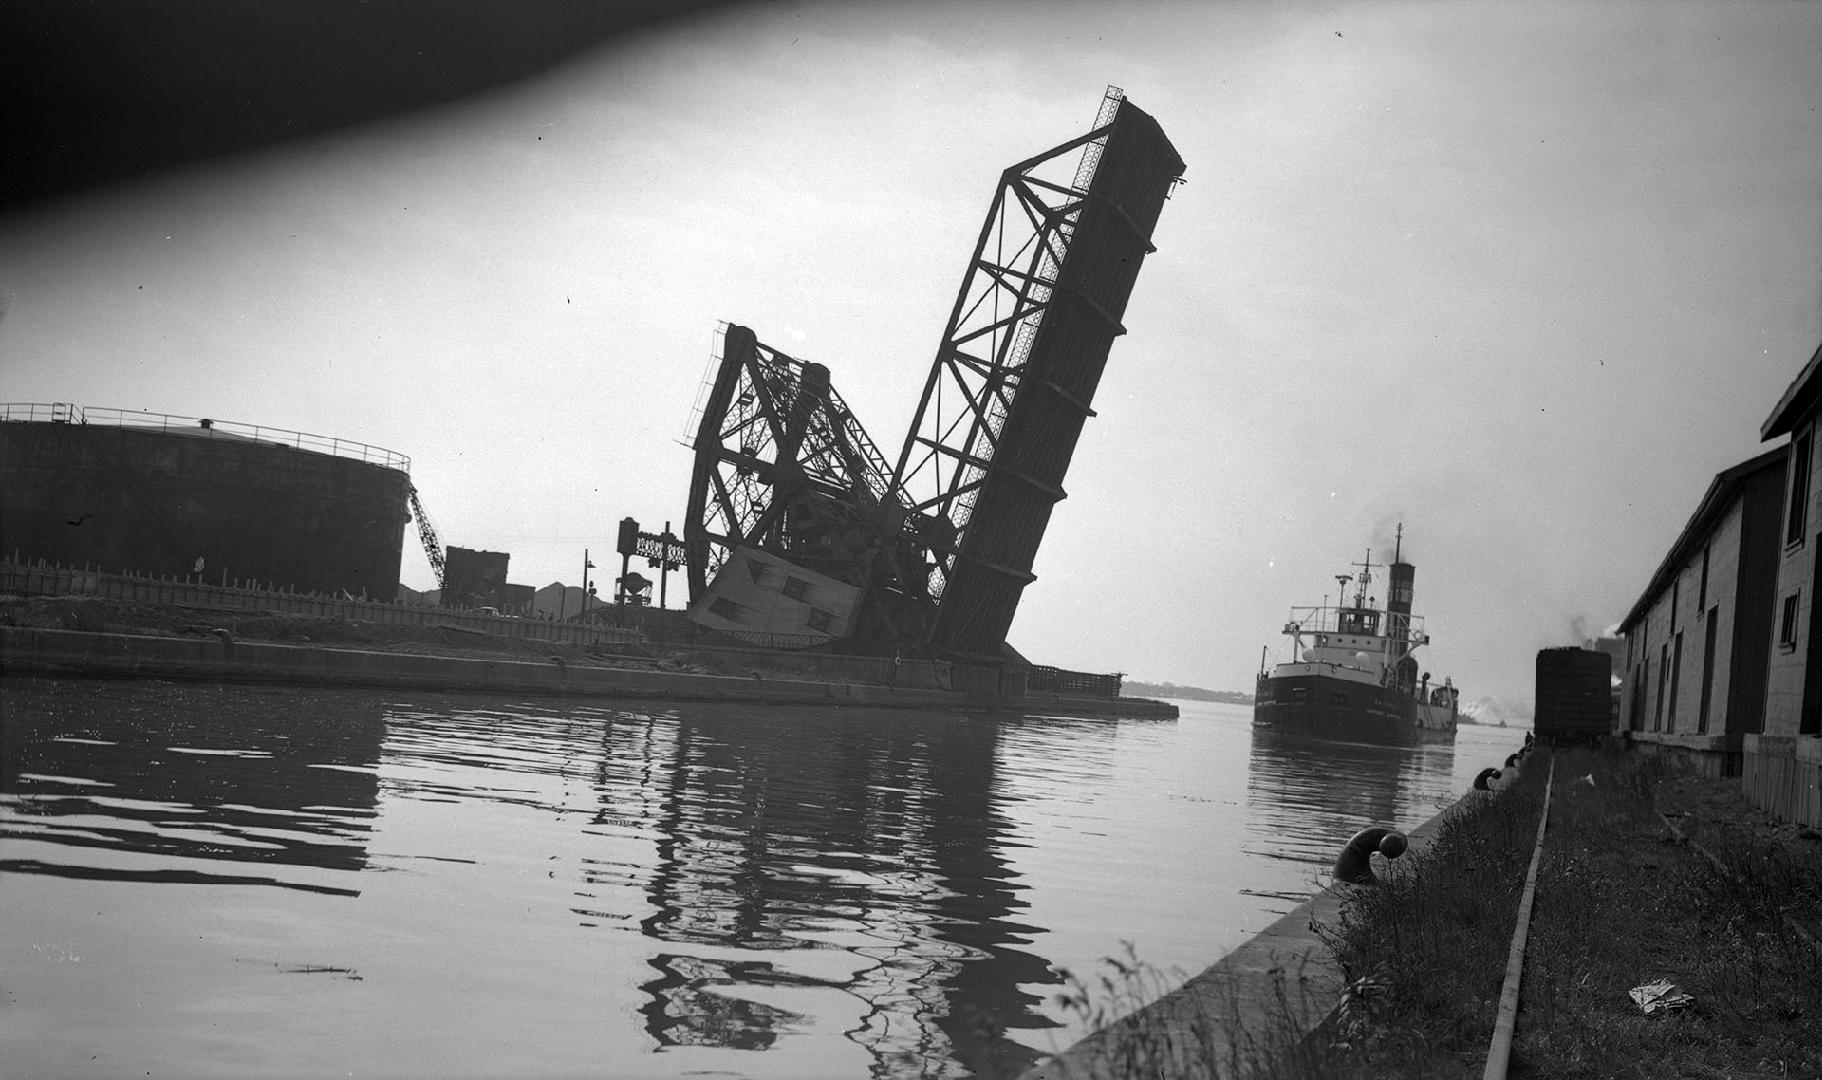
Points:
point(1715, 501)
point(1800, 399)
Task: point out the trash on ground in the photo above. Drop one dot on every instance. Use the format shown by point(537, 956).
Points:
point(1660, 995)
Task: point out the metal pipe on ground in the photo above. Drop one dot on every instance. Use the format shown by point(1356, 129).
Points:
point(1499, 1051)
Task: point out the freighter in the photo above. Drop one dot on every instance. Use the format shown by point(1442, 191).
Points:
point(1352, 675)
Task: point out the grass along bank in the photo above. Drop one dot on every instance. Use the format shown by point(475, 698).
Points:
point(1425, 950)
point(1421, 960)
point(1622, 902)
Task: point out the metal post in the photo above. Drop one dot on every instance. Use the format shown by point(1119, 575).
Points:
point(586, 567)
point(664, 575)
point(664, 563)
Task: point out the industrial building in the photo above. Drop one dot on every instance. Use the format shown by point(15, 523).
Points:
point(473, 579)
point(1724, 647)
point(1696, 640)
point(210, 501)
point(1783, 764)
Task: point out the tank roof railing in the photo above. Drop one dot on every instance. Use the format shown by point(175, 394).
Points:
point(63, 412)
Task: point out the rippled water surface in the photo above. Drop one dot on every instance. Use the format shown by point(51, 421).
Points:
point(206, 880)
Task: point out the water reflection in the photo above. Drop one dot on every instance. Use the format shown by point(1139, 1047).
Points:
point(765, 879)
point(876, 835)
point(440, 750)
point(1306, 797)
point(162, 783)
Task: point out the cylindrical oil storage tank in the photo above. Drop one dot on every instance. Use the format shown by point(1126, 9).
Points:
point(142, 493)
point(1574, 695)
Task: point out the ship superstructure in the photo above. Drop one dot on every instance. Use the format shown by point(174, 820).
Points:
point(1352, 672)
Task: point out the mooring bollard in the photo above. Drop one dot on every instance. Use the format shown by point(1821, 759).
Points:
point(1484, 782)
point(1355, 864)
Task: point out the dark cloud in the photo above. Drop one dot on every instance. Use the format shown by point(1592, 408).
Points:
point(104, 90)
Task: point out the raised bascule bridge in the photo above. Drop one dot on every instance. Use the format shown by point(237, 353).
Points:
point(799, 528)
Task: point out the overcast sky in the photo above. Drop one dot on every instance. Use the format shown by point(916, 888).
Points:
point(1521, 276)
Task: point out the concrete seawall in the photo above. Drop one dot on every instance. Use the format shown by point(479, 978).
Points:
point(1276, 988)
point(31, 651)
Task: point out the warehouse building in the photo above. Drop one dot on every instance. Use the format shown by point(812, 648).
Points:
point(1783, 764)
point(1696, 640)
point(1724, 647)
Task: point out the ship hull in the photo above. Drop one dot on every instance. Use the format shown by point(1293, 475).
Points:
point(1339, 710)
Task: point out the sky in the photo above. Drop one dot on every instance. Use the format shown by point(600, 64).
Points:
point(1521, 277)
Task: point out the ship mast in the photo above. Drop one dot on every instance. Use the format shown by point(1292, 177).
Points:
point(1366, 578)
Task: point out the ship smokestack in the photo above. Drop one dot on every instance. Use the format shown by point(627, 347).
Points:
point(1398, 612)
point(1398, 600)
point(1398, 597)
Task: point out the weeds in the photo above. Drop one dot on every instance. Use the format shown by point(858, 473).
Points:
point(1224, 1026)
point(1426, 951)
point(1621, 903)
point(1422, 955)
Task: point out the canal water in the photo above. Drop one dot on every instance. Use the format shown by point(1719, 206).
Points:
point(201, 880)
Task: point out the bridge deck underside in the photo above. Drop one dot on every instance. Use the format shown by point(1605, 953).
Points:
point(1057, 384)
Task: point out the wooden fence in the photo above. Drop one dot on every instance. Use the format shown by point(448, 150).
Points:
point(1052, 680)
point(1784, 775)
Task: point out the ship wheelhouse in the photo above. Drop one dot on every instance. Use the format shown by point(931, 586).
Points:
point(1357, 621)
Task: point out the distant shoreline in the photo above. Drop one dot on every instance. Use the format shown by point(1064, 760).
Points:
point(1135, 688)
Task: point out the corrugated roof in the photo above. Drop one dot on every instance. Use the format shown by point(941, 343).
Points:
point(1720, 495)
point(1800, 399)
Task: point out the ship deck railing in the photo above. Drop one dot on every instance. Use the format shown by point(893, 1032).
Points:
point(1326, 619)
point(63, 412)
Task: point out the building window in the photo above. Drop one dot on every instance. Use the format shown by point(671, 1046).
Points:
point(1787, 625)
point(726, 609)
point(1338, 698)
point(1299, 693)
point(797, 588)
point(821, 621)
point(1796, 516)
point(1676, 599)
